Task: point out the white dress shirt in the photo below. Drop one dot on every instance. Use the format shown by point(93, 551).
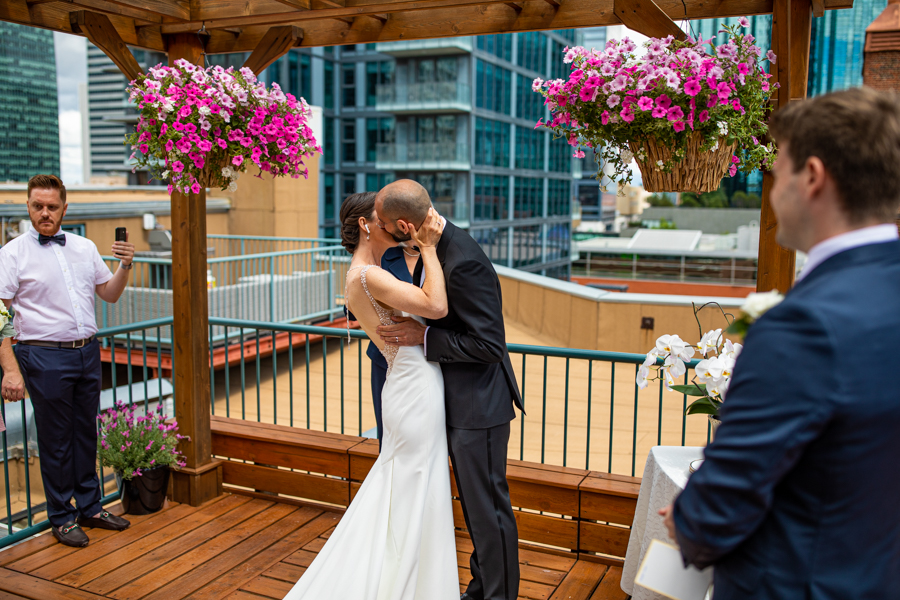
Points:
point(52, 286)
point(822, 251)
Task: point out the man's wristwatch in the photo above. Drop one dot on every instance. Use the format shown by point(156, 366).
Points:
point(127, 267)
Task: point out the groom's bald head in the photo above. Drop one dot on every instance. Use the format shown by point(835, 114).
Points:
point(401, 202)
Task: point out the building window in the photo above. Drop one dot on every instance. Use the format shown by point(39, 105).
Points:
point(495, 243)
point(529, 198)
point(376, 181)
point(491, 197)
point(532, 51)
point(559, 201)
point(329, 198)
point(499, 45)
point(378, 131)
point(566, 34)
point(328, 143)
point(348, 85)
point(526, 246)
point(559, 242)
point(558, 69)
point(329, 84)
point(299, 73)
point(348, 140)
point(561, 155)
point(440, 188)
point(529, 149)
point(377, 74)
point(491, 143)
point(348, 185)
point(529, 104)
point(441, 130)
point(492, 87)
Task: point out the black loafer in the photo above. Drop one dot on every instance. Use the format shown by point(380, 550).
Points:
point(71, 534)
point(104, 521)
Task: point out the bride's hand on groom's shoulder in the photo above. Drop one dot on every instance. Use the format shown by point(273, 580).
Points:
point(429, 234)
point(404, 332)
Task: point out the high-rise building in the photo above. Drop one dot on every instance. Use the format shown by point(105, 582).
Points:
point(29, 115)
point(457, 115)
point(111, 115)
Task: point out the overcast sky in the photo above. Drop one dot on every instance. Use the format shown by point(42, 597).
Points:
point(71, 70)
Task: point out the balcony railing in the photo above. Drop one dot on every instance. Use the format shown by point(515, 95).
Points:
point(584, 408)
point(444, 96)
point(447, 156)
point(450, 45)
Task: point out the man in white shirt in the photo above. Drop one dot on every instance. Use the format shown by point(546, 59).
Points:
point(50, 277)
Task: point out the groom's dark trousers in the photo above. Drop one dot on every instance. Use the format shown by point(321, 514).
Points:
point(480, 392)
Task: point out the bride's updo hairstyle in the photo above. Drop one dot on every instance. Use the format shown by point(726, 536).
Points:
point(354, 207)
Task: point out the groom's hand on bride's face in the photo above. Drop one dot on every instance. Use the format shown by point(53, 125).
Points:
point(404, 332)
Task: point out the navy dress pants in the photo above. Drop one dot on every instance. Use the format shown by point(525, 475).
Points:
point(64, 385)
point(379, 376)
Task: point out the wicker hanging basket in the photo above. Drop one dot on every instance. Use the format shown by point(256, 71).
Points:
point(699, 171)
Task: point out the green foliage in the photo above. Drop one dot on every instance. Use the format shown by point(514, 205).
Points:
point(130, 444)
point(657, 200)
point(741, 199)
point(716, 199)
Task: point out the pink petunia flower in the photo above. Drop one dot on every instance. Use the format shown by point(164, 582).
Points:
point(675, 113)
point(178, 166)
point(144, 148)
point(195, 189)
point(678, 126)
point(744, 22)
point(613, 101)
point(237, 160)
point(732, 170)
point(703, 116)
point(645, 103)
point(627, 115)
point(659, 112)
point(770, 56)
point(664, 102)
point(578, 154)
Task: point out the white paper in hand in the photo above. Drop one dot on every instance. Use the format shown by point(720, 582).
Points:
point(663, 572)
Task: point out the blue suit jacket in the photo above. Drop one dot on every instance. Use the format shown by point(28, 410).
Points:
point(394, 262)
point(799, 495)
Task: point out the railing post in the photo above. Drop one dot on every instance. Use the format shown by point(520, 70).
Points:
point(272, 288)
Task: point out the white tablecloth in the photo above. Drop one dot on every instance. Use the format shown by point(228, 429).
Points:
point(665, 475)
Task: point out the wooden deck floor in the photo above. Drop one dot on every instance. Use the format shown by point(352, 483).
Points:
point(240, 548)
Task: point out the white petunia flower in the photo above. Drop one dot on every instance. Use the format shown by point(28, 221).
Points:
point(232, 187)
point(227, 172)
point(723, 128)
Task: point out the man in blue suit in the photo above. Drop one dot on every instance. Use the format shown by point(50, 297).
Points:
point(798, 496)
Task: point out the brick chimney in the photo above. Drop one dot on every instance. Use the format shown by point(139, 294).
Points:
point(881, 56)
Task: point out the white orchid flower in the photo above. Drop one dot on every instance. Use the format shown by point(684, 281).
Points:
point(709, 342)
point(672, 344)
point(641, 379)
point(675, 366)
point(732, 350)
point(702, 371)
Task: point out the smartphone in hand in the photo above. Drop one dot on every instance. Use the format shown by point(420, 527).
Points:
point(121, 234)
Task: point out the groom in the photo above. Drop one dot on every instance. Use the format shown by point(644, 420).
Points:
point(479, 382)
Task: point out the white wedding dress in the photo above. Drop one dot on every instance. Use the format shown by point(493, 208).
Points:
point(396, 541)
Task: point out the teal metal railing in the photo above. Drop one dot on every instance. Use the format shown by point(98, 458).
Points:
point(279, 286)
point(584, 408)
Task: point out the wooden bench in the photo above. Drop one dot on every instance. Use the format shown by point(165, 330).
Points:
point(579, 516)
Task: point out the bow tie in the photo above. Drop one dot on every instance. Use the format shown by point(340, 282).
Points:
point(58, 239)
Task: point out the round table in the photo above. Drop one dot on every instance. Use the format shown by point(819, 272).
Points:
point(665, 475)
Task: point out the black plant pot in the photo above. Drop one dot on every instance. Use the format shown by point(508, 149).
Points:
point(145, 494)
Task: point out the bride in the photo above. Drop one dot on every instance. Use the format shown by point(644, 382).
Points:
point(396, 541)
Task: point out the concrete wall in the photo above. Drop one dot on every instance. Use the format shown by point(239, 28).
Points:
point(575, 316)
point(707, 220)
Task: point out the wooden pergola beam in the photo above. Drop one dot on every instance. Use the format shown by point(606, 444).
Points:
point(100, 31)
point(274, 44)
point(646, 17)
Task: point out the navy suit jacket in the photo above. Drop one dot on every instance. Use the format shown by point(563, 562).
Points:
point(799, 495)
point(393, 262)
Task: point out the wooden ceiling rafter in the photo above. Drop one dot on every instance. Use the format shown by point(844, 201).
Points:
point(275, 44)
point(101, 32)
point(646, 17)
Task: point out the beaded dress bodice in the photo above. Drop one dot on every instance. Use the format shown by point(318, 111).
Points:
point(384, 314)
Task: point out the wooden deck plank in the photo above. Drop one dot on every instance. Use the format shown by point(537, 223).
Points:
point(239, 595)
point(527, 589)
point(268, 588)
point(35, 588)
point(300, 558)
point(8, 596)
point(108, 547)
point(216, 542)
point(285, 572)
point(581, 581)
point(58, 551)
point(90, 570)
point(610, 587)
point(267, 559)
point(216, 565)
point(292, 483)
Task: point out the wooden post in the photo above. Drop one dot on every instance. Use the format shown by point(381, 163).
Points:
point(791, 28)
point(201, 479)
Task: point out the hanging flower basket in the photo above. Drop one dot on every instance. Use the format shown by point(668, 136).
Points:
point(203, 127)
point(685, 115)
point(698, 172)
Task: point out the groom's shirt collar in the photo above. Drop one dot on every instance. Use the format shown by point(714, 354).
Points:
point(822, 251)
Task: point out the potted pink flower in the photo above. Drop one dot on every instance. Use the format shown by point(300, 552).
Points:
point(141, 450)
point(201, 127)
point(687, 112)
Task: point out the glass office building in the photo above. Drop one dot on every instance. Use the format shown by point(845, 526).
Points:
point(29, 114)
point(457, 115)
